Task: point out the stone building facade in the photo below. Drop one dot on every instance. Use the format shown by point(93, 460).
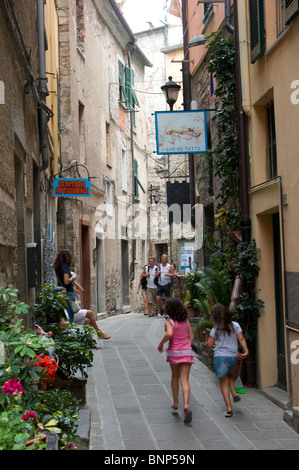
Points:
point(103, 137)
point(23, 161)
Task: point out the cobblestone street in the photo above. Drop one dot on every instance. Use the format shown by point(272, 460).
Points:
point(129, 397)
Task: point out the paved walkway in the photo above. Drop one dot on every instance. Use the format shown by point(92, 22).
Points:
point(129, 396)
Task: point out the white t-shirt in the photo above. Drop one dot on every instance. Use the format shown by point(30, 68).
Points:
point(151, 277)
point(164, 280)
point(226, 345)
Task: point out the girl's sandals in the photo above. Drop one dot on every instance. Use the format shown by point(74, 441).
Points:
point(103, 335)
point(187, 416)
point(228, 414)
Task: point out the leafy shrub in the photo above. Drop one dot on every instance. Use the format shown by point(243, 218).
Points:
point(73, 347)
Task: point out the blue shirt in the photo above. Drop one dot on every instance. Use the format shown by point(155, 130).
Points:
point(65, 269)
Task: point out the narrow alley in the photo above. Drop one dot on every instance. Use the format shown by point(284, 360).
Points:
point(129, 398)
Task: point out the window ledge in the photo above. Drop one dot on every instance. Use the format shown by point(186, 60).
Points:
point(276, 42)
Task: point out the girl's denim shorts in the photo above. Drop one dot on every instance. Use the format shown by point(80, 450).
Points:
point(224, 365)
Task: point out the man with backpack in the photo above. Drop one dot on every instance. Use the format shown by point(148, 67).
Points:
point(164, 275)
point(148, 280)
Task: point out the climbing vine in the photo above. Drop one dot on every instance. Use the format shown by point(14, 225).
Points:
point(241, 258)
point(225, 154)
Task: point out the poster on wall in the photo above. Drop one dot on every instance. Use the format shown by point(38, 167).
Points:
point(181, 132)
point(187, 259)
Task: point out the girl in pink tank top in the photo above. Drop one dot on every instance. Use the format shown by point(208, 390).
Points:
point(179, 354)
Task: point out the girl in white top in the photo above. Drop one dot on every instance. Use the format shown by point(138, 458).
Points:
point(86, 317)
point(227, 334)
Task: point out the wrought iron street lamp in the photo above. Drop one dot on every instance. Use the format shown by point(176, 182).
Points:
point(171, 91)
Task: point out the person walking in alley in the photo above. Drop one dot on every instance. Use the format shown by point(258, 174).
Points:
point(164, 273)
point(179, 354)
point(150, 272)
point(143, 286)
point(227, 334)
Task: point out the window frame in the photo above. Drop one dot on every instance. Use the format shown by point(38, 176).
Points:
point(291, 8)
point(271, 156)
point(208, 10)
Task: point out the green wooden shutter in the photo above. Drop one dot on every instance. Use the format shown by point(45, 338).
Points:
point(291, 8)
point(257, 30)
point(128, 85)
point(130, 92)
point(122, 90)
point(137, 182)
point(136, 178)
point(271, 142)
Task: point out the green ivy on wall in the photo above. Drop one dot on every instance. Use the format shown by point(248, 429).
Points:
point(225, 154)
point(241, 258)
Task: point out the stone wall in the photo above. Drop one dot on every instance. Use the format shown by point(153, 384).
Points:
point(19, 145)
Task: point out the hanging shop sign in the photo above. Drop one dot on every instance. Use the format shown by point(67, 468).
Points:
point(181, 132)
point(71, 187)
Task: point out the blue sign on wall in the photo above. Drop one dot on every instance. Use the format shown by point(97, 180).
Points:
point(71, 187)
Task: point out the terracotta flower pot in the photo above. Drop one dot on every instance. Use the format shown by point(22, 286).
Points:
point(202, 336)
point(37, 442)
point(191, 311)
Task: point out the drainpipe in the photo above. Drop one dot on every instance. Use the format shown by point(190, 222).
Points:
point(245, 221)
point(228, 24)
point(244, 57)
point(132, 270)
point(42, 115)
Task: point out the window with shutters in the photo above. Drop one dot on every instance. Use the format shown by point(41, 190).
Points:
point(208, 10)
point(80, 25)
point(257, 30)
point(136, 179)
point(127, 94)
point(291, 10)
point(124, 180)
point(271, 142)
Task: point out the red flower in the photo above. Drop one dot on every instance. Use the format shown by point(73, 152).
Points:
point(12, 387)
point(50, 366)
point(28, 415)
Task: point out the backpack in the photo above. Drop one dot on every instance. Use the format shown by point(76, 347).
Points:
point(156, 278)
point(144, 280)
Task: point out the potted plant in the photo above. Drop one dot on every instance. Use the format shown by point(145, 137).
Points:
point(73, 346)
point(193, 294)
point(201, 327)
point(51, 309)
point(208, 286)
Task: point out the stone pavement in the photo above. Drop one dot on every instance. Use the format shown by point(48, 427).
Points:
point(129, 398)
